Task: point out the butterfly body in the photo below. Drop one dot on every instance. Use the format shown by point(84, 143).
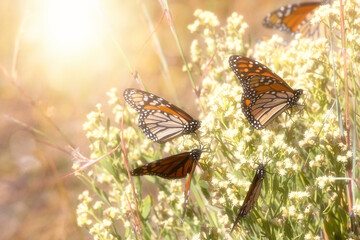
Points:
point(265, 94)
point(292, 18)
point(159, 120)
point(252, 195)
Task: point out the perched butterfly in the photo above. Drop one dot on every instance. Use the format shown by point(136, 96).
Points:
point(159, 120)
point(265, 95)
point(173, 167)
point(252, 195)
point(293, 18)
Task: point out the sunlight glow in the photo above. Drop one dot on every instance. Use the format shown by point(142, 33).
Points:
point(71, 26)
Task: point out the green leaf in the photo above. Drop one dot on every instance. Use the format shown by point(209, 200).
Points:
point(101, 193)
point(146, 207)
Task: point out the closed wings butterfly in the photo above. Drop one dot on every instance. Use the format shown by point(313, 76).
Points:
point(265, 94)
point(159, 120)
point(252, 195)
point(293, 18)
point(173, 167)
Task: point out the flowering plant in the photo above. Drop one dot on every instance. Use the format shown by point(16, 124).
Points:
point(304, 191)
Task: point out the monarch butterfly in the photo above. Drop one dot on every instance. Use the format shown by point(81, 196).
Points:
point(293, 18)
point(265, 95)
point(159, 120)
point(252, 195)
point(173, 167)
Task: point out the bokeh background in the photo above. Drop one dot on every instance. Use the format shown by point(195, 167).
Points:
point(68, 57)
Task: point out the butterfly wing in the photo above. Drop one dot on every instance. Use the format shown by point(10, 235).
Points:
point(265, 95)
point(159, 120)
point(252, 195)
point(256, 76)
point(293, 18)
point(261, 112)
point(173, 167)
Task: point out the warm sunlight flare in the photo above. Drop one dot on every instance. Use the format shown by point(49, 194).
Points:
point(71, 25)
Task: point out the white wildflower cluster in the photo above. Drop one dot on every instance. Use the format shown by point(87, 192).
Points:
point(310, 236)
point(303, 148)
point(324, 181)
point(204, 19)
point(169, 207)
point(299, 196)
point(356, 209)
point(102, 230)
point(296, 142)
point(195, 51)
point(235, 24)
point(319, 161)
point(83, 210)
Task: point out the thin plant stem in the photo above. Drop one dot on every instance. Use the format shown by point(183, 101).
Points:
point(108, 27)
point(165, 7)
point(132, 213)
point(126, 163)
point(355, 79)
point(26, 126)
point(347, 103)
point(88, 162)
point(338, 108)
point(159, 51)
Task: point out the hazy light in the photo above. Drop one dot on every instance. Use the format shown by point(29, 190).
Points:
point(71, 26)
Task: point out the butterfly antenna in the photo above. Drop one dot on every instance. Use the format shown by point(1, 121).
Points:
point(301, 105)
point(256, 162)
point(203, 147)
point(267, 162)
point(266, 155)
point(268, 171)
point(207, 149)
point(253, 168)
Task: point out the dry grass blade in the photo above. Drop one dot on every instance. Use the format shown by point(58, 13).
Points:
point(88, 162)
point(165, 7)
point(126, 162)
point(110, 31)
point(159, 51)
